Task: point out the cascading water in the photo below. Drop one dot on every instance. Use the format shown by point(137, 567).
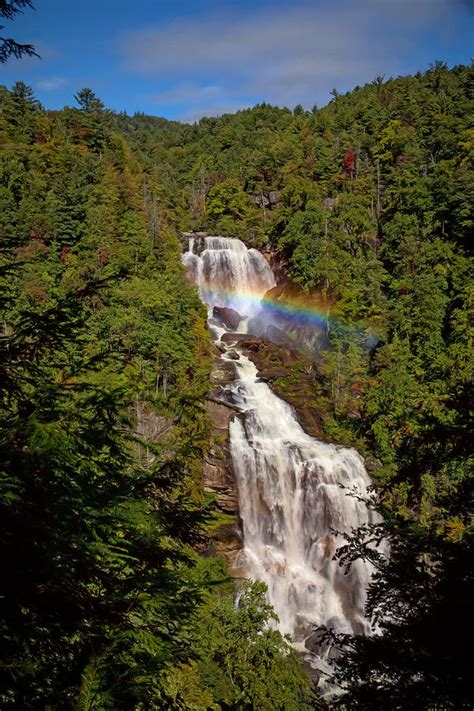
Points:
point(228, 275)
point(294, 491)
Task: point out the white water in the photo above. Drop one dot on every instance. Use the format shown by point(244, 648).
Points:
point(228, 274)
point(293, 489)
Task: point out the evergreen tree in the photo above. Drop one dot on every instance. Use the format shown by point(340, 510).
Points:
point(8, 46)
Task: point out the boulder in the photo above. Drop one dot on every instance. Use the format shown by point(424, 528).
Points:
point(233, 355)
point(316, 642)
point(223, 372)
point(311, 671)
point(242, 340)
point(227, 317)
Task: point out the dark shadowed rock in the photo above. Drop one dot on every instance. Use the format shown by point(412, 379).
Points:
point(316, 642)
point(227, 317)
point(230, 339)
point(217, 348)
point(243, 341)
point(219, 477)
point(218, 474)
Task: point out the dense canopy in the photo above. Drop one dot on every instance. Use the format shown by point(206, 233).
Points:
point(104, 368)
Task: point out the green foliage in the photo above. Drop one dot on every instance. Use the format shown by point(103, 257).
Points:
point(418, 659)
point(9, 47)
point(88, 101)
point(104, 366)
point(240, 661)
point(368, 204)
point(92, 549)
point(104, 362)
point(239, 653)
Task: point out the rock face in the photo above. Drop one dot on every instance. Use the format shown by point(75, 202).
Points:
point(199, 238)
point(226, 541)
point(372, 464)
point(305, 326)
point(218, 475)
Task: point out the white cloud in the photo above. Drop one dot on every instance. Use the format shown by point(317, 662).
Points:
point(188, 92)
point(208, 100)
point(285, 54)
point(51, 84)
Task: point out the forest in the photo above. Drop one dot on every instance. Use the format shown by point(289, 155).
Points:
point(107, 601)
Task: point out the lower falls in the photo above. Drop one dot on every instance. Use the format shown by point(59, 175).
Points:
point(295, 494)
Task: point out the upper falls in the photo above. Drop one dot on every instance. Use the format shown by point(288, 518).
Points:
point(296, 494)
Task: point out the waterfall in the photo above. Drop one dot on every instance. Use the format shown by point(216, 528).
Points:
point(295, 492)
point(228, 275)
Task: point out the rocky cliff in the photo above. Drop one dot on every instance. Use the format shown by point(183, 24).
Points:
point(218, 474)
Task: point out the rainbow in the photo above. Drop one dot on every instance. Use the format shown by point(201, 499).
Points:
point(284, 311)
point(290, 309)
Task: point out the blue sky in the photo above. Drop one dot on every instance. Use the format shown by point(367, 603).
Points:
point(186, 59)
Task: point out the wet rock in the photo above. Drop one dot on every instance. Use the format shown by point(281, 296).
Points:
point(243, 340)
point(320, 644)
point(223, 372)
point(229, 548)
point(227, 317)
point(281, 366)
point(296, 328)
point(230, 339)
point(249, 343)
point(233, 355)
point(316, 643)
point(199, 240)
point(218, 474)
point(303, 627)
point(217, 348)
point(313, 674)
point(277, 363)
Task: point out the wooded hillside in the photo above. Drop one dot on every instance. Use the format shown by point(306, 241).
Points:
point(105, 362)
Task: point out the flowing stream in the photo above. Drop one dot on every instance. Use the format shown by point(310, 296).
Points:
point(295, 492)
